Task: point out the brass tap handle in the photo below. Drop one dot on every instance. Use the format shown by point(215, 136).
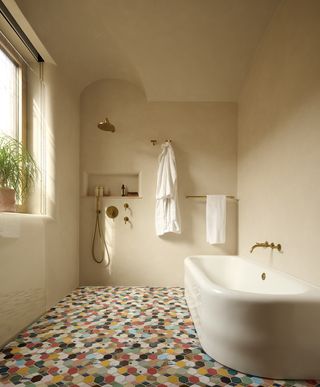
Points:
point(126, 219)
point(126, 206)
point(274, 246)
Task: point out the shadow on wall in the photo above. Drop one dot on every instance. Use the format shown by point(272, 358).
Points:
point(283, 84)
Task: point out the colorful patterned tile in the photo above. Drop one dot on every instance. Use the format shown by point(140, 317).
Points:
point(118, 336)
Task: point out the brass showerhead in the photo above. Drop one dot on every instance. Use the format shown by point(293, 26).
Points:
point(106, 126)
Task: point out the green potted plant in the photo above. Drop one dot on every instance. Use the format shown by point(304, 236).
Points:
point(18, 172)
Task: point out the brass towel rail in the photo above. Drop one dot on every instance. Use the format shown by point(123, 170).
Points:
point(205, 196)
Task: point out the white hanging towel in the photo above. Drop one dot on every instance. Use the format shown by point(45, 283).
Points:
point(216, 219)
point(167, 209)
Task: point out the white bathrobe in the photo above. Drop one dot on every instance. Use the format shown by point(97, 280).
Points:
point(167, 209)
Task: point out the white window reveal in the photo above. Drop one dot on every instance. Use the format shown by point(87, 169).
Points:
point(9, 96)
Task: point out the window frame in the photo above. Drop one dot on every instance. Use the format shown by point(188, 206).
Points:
point(15, 57)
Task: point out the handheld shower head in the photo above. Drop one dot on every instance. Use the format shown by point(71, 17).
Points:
point(106, 126)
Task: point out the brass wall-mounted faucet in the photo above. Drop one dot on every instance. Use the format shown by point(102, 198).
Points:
point(265, 245)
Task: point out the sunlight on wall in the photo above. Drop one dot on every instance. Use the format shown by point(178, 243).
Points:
point(35, 201)
point(41, 143)
point(50, 168)
point(48, 151)
point(41, 140)
point(110, 239)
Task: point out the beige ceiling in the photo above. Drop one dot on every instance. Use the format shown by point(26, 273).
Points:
point(176, 50)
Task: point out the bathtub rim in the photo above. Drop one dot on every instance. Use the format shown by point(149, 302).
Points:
point(311, 292)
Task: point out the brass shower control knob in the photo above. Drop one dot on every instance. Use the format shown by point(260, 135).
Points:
point(112, 212)
point(126, 219)
point(126, 206)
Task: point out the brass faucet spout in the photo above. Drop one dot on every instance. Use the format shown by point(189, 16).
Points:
point(265, 245)
point(258, 244)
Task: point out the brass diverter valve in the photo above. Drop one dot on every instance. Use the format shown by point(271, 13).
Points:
point(112, 212)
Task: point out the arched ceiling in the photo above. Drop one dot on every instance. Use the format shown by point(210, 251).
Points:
point(176, 50)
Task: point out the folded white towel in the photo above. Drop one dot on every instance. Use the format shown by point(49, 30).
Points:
point(167, 209)
point(216, 219)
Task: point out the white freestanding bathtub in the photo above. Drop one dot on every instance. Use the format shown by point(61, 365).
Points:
point(266, 327)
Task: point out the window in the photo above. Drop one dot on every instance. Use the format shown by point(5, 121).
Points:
point(11, 94)
point(12, 99)
point(21, 104)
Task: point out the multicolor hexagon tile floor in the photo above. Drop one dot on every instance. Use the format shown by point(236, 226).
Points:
point(123, 336)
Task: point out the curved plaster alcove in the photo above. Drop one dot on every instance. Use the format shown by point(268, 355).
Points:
point(204, 140)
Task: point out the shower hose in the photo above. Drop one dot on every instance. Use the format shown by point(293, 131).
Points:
point(98, 234)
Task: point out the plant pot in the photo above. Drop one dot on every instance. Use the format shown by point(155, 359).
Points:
point(7, 200)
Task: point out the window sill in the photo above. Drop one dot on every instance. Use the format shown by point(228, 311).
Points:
point(25, 215)
point(13, 225)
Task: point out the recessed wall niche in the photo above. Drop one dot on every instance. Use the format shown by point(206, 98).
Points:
point(112, 184)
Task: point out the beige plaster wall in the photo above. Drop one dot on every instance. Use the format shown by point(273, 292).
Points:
point(279, 137)
point(40, 264)
point(62, 233)
point(204, 139)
